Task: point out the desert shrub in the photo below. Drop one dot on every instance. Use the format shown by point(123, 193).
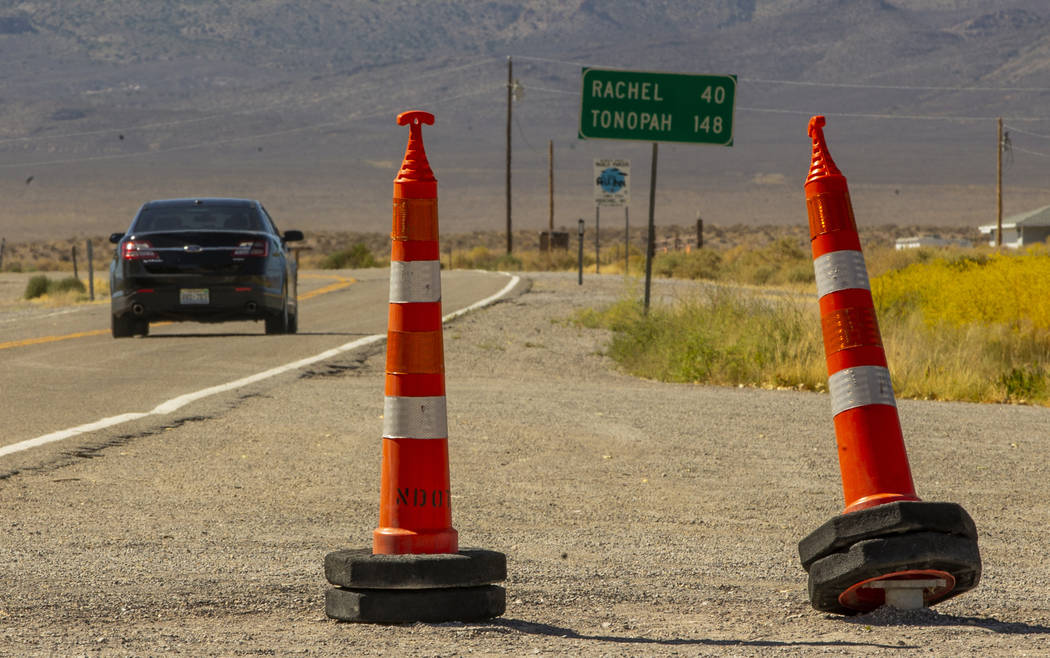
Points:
point(36, 286)
point(718, 337)
point(1008, 289)
point(354, 257)
point(68, 284)
point(782, 261)
point(698, 264)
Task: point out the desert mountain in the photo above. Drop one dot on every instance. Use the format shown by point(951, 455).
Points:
point(106, 105)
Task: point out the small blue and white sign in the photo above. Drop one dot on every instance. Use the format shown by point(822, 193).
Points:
point(612, 182)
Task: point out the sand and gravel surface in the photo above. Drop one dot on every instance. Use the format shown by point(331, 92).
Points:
point(638, 518)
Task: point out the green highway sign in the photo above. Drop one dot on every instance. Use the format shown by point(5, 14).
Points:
point(657, 107)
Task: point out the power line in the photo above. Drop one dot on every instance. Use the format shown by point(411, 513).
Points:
point(1037, 153)
point(855, 85)
point(868, 115)
point(1027, 132)
point(230, 140)
point(805, 83)
point(293, 104)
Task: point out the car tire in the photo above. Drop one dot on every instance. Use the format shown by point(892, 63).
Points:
point(278, 324)
point(123, 327)
point(293, 323)
point(275, 324)
point(142, 328)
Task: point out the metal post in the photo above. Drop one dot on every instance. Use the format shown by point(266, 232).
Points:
point(652, 230)
point(699, 232)
point(581, 252)
point(76, 274)
point(91, 271)
point(999, 187)
point(597, 245)
point(3, 243)
point(626, 241)
point(510, 98)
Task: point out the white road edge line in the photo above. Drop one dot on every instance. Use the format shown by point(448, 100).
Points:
point(181, 401)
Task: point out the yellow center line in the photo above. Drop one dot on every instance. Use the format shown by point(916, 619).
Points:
point(51, 339)
point(342, 282)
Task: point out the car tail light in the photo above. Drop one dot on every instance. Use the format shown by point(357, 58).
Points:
point(252, 248)
point(139, 250)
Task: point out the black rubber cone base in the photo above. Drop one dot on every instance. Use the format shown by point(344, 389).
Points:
point(833, 574)
point(378, 606)
point(360, 569)
point(427, 587)
point(891, 519)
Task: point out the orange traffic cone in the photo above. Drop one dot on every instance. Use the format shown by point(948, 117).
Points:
point(871, 447)
point(888, 546)
point(415, 499)
point(415, 570)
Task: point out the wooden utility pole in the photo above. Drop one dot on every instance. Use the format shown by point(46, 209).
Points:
point(510, 100)
point(999, 187)
point(550, 193)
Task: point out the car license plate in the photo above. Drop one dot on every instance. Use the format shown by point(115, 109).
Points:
point(193, 295)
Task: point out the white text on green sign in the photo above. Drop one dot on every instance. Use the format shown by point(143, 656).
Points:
point(657, 107)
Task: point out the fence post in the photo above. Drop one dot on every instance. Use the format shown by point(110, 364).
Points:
point(91, 271)
point(76, 275)
point(3, 243)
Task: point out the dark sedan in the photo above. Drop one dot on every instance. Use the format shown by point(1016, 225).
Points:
point(203, 260)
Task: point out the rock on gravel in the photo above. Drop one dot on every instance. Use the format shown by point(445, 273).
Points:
point(638, 518)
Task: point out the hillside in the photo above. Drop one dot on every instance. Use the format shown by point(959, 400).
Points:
point(106, 106)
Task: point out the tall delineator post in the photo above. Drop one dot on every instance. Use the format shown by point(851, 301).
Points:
point(871, 451)
point(888, 546)
point(415, 570)
point(415, 512)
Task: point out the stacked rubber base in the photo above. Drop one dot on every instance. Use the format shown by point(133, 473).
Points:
point(430, 587)
point(853, 556)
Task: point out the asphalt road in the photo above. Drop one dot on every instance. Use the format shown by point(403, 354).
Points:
point(61, 369)
point(638, 518)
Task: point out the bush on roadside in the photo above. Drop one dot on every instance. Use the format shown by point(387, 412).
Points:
point(36, 286)
point(40, 285)
point(68, 284)
point(355, 257)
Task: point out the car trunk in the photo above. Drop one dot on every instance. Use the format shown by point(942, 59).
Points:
point(207, 253)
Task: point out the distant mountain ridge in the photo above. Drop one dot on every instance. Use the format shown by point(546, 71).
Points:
point(174, 96)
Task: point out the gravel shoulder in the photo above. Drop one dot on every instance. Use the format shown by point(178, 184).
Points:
point(638, 518)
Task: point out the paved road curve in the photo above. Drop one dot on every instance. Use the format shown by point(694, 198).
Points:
point(61, 368)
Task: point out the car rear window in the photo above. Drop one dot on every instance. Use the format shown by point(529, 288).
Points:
point(197, 219)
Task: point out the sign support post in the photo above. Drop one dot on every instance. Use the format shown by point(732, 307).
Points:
point(656, 107)
point(581, 252)
point(597, 244)
point(626, 241)
point(652, 230)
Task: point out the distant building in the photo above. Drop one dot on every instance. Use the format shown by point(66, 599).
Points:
point(928, 241)
point(1019, 230)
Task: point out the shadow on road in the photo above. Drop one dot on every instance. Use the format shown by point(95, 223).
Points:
point(567, 633)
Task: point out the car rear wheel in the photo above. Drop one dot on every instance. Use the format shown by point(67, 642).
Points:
point(278, 324)
point(122, 327)
point(126, 327)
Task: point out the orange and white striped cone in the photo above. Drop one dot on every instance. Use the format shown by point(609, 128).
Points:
point(415, 570)
point(415, 498)
point(872, 457)
point(887, 546)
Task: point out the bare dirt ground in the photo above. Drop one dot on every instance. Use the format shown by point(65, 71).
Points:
point(638, 518)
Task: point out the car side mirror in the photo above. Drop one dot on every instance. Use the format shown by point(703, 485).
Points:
point(115, 237)
point(293, 236)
